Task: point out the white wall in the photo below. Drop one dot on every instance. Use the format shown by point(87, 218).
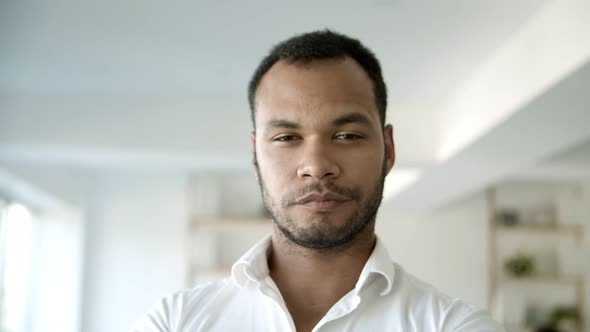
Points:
point(446, 248)
point(55, 279)
point(135, 246)
point(58, 279)
point(54, 185)
point(129, 237)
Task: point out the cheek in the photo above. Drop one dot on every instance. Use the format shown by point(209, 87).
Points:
point(364, 169)
point(276, 169)
point(367, 162)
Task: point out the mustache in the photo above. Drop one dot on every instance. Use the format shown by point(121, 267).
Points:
point(319, 187)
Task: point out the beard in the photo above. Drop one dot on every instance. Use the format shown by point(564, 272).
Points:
point(322, 234)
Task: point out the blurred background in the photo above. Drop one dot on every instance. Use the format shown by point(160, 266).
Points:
point(125, 165)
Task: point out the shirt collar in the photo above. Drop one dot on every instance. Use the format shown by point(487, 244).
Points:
point(378, 264)
point(253, 266)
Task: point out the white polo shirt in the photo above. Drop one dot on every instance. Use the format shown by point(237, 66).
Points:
point(385, 298)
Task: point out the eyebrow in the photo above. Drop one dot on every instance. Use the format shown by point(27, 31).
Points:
point(338, 122)
point(281, 123)
point(352, 118)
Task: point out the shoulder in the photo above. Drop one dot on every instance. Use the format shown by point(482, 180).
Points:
point(198, 296)
point(444, 313)
point(171, 312)
point(415, 290)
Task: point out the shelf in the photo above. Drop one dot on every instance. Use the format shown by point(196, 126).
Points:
point(557, 279)
point(569, 230)
point(518, 328)
point(542, 228)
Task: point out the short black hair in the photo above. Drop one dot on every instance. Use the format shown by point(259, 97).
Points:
point(318, 45)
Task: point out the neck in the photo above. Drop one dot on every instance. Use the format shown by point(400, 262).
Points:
point(315, 279)
point(288, 257)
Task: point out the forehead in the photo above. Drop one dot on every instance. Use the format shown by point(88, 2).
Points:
point(321, 89)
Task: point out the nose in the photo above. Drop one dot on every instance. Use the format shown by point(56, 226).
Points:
point(318, 163)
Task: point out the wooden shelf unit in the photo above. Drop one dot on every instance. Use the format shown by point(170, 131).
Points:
point(558, 230)
point(218, 261)
point(551, 229)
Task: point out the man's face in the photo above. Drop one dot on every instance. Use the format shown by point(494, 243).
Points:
point(320, 150)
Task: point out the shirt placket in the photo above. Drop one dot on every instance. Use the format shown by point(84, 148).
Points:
point(343, 307)
point(270, 290)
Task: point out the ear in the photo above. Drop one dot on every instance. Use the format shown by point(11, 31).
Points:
point(389, 147)
point(254, 161)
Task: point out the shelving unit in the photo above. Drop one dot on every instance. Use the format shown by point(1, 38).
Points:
point(216, 243)
point(558, 279)
point(226, 218)
point(576, 231)
point(552, 234)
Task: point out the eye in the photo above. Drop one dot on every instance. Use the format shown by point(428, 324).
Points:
point(285, 138)
point(348, 136)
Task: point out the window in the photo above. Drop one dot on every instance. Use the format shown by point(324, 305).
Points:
point(16, 229)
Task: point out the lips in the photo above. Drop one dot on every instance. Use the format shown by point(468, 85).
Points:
point(323, 202)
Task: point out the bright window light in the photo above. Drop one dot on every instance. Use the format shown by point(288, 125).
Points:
point(17, 229)
point(398, 180)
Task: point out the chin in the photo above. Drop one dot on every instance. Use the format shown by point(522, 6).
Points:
point(320, 218)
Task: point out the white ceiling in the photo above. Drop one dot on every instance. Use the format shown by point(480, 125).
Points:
point(210, 48)
point(148, 83)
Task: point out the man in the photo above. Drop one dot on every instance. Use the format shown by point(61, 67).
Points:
point(321, 154)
